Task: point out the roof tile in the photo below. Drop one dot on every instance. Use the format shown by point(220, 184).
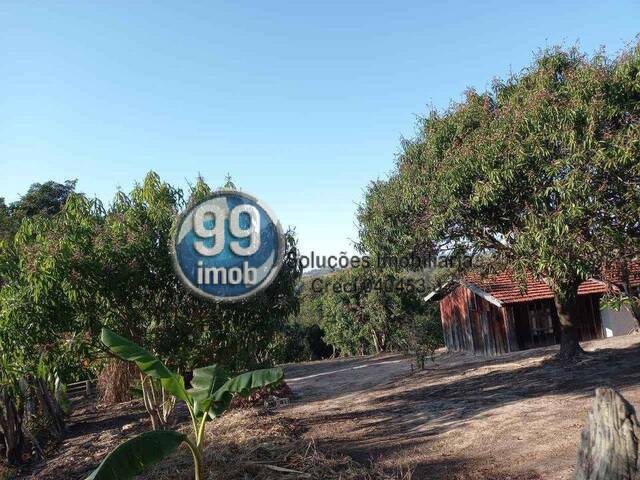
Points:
point(507, 289)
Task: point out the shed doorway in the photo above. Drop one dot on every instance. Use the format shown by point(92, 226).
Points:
point(536, 324)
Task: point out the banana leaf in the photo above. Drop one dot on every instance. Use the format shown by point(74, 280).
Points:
point(205, 382)
point(146, 362)
point(135, 456)
point(244, 385)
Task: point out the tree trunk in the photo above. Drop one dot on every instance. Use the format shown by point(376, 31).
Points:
point(609, 444)
point(565, 301)
point(634, 306)
point(49, 408)
point(376, 345)
point(11, 426)
point(379, 341)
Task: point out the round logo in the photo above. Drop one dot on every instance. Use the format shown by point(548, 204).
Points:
point(228, 246)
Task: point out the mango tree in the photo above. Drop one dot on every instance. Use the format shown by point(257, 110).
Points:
point(370, 310)
point(91, 265)
point(542, 172)
point(210, 396)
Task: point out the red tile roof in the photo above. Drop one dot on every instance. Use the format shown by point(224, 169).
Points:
point(613, 273)
point(505, 288)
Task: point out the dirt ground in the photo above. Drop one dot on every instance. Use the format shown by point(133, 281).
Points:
point(515, 417)
point(518, 416)
point(246, 444)
point(92, 432)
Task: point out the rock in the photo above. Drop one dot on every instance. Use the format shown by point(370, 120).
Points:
point(128, 427)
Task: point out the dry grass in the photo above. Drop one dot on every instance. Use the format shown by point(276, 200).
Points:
point(250, 444)
point(115, 380)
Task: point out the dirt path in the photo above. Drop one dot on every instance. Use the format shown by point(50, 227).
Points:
point(514, 417)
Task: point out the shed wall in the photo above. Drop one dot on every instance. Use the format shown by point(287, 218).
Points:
point(473, 324)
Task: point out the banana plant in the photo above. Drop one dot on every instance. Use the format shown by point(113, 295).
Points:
point(211, 394)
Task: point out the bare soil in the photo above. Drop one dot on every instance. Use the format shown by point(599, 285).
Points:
point(92, 432)
point(518, 416)
point(247, 443)
point(515, 417)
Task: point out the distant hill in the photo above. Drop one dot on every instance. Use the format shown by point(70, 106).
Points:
point(318, 272)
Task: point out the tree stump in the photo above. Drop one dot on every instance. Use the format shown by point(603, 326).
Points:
point(609, 445)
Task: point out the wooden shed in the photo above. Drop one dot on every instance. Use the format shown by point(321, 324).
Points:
point(495, 316)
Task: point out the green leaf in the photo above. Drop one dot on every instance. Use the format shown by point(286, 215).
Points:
point(135, 456)
point(150, 365)
point(248, 382)
point(243, 385)
point(205, 382)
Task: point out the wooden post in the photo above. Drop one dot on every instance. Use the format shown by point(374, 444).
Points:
point(609, 445)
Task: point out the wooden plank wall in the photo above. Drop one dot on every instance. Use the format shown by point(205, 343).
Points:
point(472, 324)
point(589, 318)
point(455, 321)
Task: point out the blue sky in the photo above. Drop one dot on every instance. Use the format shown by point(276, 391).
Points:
point(303, 103)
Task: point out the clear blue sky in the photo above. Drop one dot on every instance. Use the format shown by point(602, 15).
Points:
point(302, 103)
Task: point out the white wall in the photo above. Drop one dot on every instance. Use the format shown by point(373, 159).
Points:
point(616, 323)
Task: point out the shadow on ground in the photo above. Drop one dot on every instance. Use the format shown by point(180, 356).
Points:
point(416, 409)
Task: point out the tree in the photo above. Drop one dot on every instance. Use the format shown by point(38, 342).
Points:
point(371, 310)
point(88, 267)
point(7, 224)
point(43, 199)
point(542, 172)
point(31, 367)
point(71, 267)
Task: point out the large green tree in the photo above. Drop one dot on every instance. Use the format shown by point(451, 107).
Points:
point(41, 199)
point(69, 274)
point(30, 364)
point(542, 172)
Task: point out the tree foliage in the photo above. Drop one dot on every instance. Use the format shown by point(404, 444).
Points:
point(90, 267)
point(542, 172)
point(70, 266)
point(31, 369)
point(370, 310)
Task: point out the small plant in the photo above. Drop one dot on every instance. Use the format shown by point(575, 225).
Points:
point(211, 394)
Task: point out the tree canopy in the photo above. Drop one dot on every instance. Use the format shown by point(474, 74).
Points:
point(69, 274)
point(70, 266)
point(370, 310)
point(542, 172)
point(41, 199)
